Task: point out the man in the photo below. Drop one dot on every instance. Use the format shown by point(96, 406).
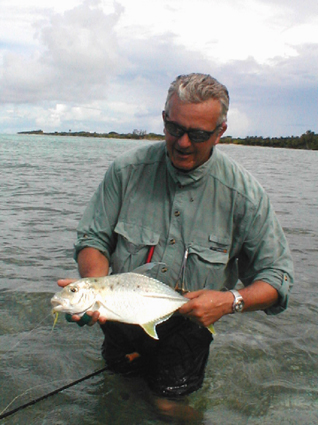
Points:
point(190, 202)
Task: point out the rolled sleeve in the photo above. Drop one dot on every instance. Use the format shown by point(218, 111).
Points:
point(283, 283)
point(283, 289)
point(88, 241)
point(266, 255)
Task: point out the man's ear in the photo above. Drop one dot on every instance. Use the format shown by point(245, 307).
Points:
point(163, 117)
point(221, 131)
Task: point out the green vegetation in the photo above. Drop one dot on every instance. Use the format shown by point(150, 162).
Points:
point(308, 140)
point(136, 134)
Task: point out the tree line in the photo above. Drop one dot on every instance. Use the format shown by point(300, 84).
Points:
point(308, 140)
point(136, 134)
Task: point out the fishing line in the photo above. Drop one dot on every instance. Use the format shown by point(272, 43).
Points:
point(36, 400)
point(26, 335)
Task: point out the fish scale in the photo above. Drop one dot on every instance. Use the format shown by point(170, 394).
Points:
point(128, 298)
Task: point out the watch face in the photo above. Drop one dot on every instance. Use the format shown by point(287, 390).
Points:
point(238, 303)
point(239, 306)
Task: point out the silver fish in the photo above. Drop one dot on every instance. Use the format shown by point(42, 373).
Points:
point(127, 297)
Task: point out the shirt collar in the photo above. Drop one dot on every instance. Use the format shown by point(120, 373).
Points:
point(186, 178)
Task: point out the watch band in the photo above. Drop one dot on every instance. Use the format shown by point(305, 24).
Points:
point(238, 303)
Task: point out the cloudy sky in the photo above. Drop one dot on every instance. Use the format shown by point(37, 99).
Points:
point(103, 65)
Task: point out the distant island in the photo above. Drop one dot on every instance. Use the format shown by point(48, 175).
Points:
point(136, 134)
point(308, 140)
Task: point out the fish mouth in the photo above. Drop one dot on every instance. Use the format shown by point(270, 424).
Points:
point(64, 306)
point(57, 304)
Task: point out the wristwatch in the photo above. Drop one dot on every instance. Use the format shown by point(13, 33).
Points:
point(238, 303)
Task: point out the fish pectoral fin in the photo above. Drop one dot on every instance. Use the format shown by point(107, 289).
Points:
point(112, 312)
point(150, 329)
point(170, 297)
point(211, 329)
point(96, 306)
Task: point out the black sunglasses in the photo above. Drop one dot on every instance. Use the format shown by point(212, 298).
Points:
point(196, 136)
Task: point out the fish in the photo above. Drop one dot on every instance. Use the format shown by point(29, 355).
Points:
point(126, 297)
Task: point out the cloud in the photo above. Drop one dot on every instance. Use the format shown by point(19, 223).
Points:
point(102, 66)
point(279, 98)
point(76, 57)
point(294, 10)
point(83, 64)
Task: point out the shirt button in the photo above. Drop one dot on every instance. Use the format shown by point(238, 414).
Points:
point(177, 213)
point(164, 269)
point(172, 241)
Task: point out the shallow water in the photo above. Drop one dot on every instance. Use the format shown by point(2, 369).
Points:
point(262, 370)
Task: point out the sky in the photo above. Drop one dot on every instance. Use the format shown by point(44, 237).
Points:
point(103, 65)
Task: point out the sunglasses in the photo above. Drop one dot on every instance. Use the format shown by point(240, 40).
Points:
point(196, 136)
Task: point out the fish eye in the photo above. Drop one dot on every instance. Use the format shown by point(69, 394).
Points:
point(73, 289)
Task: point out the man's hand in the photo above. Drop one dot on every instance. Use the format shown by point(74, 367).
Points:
point(65, 282)
point(206, 306)
point(91, 263)
point(95, 315)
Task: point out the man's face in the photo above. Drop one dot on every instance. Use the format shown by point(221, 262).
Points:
point(183, 153)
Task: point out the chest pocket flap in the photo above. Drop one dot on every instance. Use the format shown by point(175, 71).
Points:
point(215, 251)
point(136, 237)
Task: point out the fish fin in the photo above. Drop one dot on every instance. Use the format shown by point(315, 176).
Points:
point(150, 329)
point(115, 316)
point(211, 329)
point(160, 296)
point(146, 268)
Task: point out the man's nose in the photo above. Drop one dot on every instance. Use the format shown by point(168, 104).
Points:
point(184, 142)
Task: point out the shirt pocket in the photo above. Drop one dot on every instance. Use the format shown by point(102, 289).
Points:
point(208, 260)
point(133, 243)
point(219, 248)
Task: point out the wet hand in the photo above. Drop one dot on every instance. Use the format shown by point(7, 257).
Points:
point(89, 318)
point(65, 282)
point(206, 306)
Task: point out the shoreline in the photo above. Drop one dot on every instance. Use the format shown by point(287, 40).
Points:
point(137, 135)
point(308, 140)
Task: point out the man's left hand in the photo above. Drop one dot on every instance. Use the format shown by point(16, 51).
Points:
point(206, 306)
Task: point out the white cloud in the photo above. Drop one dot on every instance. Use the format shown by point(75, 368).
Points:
point(222, 31)
point(76, 56)
point(239, 121)
point(61, 114)
point(103, 65)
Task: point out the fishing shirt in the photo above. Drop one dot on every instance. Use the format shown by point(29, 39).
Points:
point(218, 212)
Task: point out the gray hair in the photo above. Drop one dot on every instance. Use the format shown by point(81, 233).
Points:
point(197, 88)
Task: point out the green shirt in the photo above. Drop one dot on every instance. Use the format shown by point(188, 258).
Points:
point(218, 211)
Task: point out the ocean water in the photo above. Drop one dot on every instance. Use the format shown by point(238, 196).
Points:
point(261, 370)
